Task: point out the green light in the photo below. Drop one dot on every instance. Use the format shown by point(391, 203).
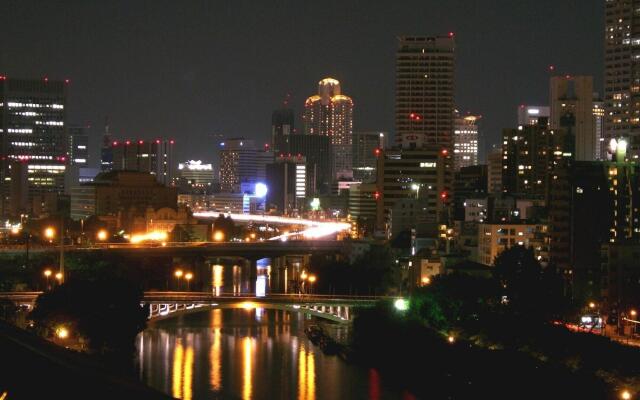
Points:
point(401, 304)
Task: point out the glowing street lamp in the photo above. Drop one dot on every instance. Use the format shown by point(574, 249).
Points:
point(59, 277)
point(62, 332)
point(102, 235)
point(311, 279)
point(625, 395)
point(49, 233)
point(633, 313)
point(218, 236)
point(47, 274)
point(451, 339)
point(188, 276)
point(425, 280)
point(178, 274)
point(592, 305)
point(401, 304)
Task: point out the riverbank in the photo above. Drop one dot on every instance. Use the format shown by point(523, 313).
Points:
point(36, 368)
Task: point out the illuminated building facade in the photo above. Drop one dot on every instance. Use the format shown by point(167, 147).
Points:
point(622, 71)
point(529, 156)
point(78, 145)
point(571, 101)
point(529, 115)
point(287, 185)
point(33, 131)
point(494, 238)
point(366, 147)
point(465, 140)
point(421, 175)
point(151, 156)
point(425, 88)
point(330, 113)
point(195, 176)
point(598, 123)
point(242, 164)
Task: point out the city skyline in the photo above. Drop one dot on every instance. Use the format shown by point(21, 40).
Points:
point(198, 99)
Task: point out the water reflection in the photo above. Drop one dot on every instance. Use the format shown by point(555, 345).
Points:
point(249, 354)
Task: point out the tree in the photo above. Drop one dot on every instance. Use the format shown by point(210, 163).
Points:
point(107, 314)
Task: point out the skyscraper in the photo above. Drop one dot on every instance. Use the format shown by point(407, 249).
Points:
point(330, 113)
point(282, 127)
point(152, 156)
point(622, 72)
point(32, 127)
point(366, 147)
point(528, 115)
point(598, 123)
point(465, 140)
point(78, 145)
point(242, 165)
point(571, 101)
point(425, 88)
point(106, 152)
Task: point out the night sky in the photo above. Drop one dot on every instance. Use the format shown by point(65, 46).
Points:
point(192, 70)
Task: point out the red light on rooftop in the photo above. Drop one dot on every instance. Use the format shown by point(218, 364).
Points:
point(2, 77)
point(443, 195)
point(445, 152)
point(376, 152)
point(115, 143)
point(171, 141)
point(140, 141)
point(552, 67)
point(157, 141)
point(128, 142)
point(376, 195)
point(412, 115)
point(451, 34)
point(46, 79)
point(67, 81)
point(417, 118)
point(568, 76)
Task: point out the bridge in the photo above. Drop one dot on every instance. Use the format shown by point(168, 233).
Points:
point(337, 308)
point(249, 250)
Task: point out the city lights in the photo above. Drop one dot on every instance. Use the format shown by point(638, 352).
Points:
point(102, 235)
point(156, 236)
point(218, 236)
point(401, 304)
point(260, 190)
point(49, 233)
point(62, 332)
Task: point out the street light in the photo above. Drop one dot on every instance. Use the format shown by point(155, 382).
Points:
point(625, 394)
point(188, 277)
point(218, 236)
point(178, 274)
point(426, 280)
point(311, 279)
point(633, 313)
point(62, 332)
point(59, 277)
point(49, 233)
point(47, 274)
point(592, 305)
point(102, 235)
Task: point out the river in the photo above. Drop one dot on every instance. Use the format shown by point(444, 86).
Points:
point(248, 354)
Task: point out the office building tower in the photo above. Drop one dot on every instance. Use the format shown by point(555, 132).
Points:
point(287, 185)
point(362, 207)
point(366, 148)
point(469, 183)
point(242, 165)
point(195, 177)
point(330, 113)
point(33, 129)
point(151, 156)
point(316, 149)
point(529, 115)
point(106, 152)
point(465, 140)
point(425, 88)
point(494, 171)
point(78, 145)
point(529, 155)
point(598, 123)
point(622, 73)
point(411, 174)
point(571, 101)
point(282, 127)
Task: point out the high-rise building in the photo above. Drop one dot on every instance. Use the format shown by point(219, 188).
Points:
point(420, 173)
point(282, 127)
point(465, 140)
point(494, 171)
point(152, 156)
point(571, 101)
point(622, 72)
point(78, 145)
point(33, 131)
point(469, 183)
point(195, 177)
point(106, 152)
point(316, 149)
point(330, 113)
point(286, 183)
point(598, 123)
point(242, 164)
point(366, 147)
point(529, 155)
point(425, 88)
point(529, 115)
point(362, 206)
